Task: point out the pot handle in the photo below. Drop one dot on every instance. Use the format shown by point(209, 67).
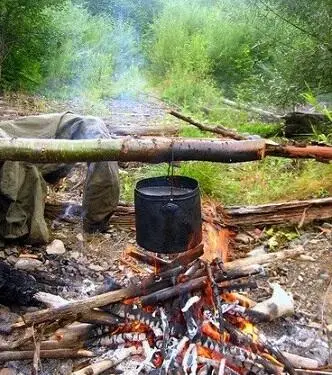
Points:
point(170, 209)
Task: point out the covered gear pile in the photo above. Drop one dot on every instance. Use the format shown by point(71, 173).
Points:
point(23, 185)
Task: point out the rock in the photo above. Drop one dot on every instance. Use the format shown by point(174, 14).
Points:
point(11, 250)
point(95, 267)
point(300, 278)
point(307, 258)
point(259, 250)
point(56, 247)
point(244, 238)
point(12, 259)
point(8, 371)
point(28, 264)
point(2, 255)
point(75, 254)
point(324, 276)
point(80, 237)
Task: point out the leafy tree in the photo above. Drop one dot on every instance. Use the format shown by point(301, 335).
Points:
point(139, 12)
point(25, 40)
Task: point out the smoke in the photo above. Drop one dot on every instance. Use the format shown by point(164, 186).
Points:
point(99, 57)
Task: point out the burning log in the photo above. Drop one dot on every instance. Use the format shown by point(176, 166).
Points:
point(280, 304)
point(156, 150)
point(20, 355)
point(101, 366)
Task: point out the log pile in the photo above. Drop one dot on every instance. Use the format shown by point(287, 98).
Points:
point(181, 319)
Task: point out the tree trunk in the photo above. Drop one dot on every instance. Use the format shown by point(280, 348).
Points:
point(154, 150)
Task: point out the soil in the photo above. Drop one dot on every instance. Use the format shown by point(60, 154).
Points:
point(93, 260)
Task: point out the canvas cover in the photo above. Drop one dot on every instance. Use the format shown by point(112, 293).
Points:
point(23, 186)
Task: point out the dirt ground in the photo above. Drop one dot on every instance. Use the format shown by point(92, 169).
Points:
point(91, 260)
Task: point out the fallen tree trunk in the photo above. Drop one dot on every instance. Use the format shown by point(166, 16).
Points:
point(265, 114)
point(154, 150)
point(294, 212)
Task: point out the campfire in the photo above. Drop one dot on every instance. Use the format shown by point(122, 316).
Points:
point(188, 315)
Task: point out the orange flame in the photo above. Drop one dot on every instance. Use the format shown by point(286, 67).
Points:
point(216, 241)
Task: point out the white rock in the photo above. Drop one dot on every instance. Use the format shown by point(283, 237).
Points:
point(259, 250)
point(95, 267)
point(28, 264)
point(56, 247)
point(80, 237)
point(244, 238)
point(306, 258)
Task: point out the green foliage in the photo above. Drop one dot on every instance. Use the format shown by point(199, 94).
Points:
point(82, 62)
point(25, 36)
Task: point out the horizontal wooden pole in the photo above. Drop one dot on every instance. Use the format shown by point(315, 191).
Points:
point(150, 150)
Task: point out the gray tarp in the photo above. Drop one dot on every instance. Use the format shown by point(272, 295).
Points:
point(23, 187)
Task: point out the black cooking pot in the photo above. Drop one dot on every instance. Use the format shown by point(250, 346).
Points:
point(168, 214)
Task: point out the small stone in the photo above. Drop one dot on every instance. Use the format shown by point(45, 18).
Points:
point(27, 264)
point(74, 254)
point(2, 255)
point(259, 250)
point(244, 238)
point(8, 371)
point(307, 258)
point(324, 276)
point(79, 237)
point(11, 251)
point(12, 259)
point(95, 267)
point(56, 247)
point(300, 278)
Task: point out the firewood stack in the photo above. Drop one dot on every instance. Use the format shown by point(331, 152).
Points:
point(186, 318)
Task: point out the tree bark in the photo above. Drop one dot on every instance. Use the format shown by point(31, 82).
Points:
point(294, 212)
point(154, 150)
